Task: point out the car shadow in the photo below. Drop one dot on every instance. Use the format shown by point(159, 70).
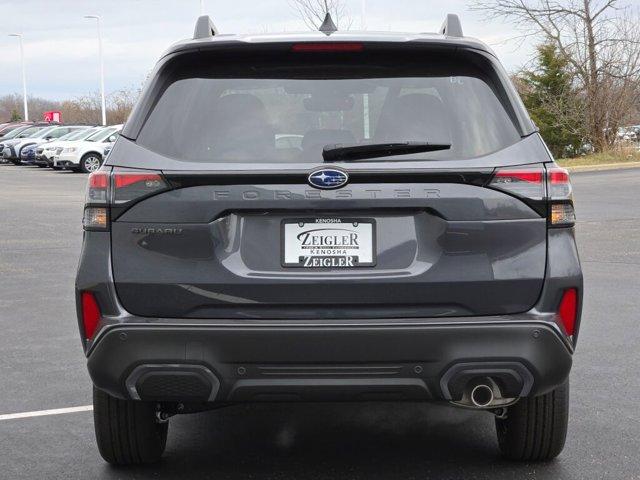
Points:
point(306, 441)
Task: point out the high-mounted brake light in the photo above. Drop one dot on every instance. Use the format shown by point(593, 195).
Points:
point(328, 47)
point(90, 314)
point(568, 310)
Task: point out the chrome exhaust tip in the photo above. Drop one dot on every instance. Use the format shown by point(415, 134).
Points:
point(482, 395)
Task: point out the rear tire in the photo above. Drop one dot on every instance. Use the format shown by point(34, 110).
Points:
point(90, 163)
point(127, 431)
point(535, 428)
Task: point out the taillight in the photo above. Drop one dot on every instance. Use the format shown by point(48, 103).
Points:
point(129, 185)
point(117, 187)
point(527, 182)
point(561, 212)
point(535, 183)
point(568, 310)
point(96, 211)
point(327, 47)
point(90, 314)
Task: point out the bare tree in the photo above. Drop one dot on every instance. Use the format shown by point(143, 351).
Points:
point(37, 106)
point(313, 12)
point(120, 104)
point(600, 40)
point(82, 109)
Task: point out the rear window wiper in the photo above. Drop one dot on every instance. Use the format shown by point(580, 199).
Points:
point(359, 151)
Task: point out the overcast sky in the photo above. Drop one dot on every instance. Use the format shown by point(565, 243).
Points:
point(61, 46)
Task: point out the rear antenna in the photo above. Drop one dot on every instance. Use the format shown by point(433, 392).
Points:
point(204, 28)
point(328, 27)
point(451, 26)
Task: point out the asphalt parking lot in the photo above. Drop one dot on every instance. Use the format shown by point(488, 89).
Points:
point(42, 367)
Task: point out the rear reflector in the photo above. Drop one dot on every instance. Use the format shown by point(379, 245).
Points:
point(327, 47)
point(568, 310)
point(90, 314)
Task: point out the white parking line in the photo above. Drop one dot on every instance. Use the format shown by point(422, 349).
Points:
point(42, 413)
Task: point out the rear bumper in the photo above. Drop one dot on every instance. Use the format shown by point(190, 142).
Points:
point(408, 361)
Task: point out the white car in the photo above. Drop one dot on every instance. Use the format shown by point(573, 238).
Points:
point(46, 152)
point(87, 155)
point(13, 148)
point(8, 152)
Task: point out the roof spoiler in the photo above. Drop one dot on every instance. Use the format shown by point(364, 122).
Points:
point(204, 28)
point(451, 26)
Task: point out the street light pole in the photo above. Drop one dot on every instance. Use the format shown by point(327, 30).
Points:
point(24, 76)
point(201, 7)
point(104, 108)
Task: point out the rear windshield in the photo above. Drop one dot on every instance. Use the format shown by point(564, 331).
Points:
point(265, 110)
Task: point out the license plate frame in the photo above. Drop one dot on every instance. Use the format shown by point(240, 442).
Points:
point(363, 227)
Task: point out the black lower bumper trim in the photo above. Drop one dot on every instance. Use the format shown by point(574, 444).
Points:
point(333, 363)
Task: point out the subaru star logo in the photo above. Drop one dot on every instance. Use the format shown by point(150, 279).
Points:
point(328, 178)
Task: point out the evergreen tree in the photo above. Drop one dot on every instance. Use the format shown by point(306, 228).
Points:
point(15, 116)
point(549, 94)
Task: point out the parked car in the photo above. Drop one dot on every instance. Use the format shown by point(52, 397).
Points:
point(629, 133)
point(13, 148)
point(10, 127)
point(9, 136)
point(86, 156)
point(28, 149)
point(9, 144)
point(424, 253)
point(46, 152)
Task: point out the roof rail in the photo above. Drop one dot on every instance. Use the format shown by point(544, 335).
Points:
point(451, 26)
point(204, 28)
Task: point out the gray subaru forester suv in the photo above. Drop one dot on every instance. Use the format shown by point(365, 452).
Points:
point(412, 240)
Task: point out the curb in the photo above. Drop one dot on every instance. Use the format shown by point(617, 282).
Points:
point(604, 166)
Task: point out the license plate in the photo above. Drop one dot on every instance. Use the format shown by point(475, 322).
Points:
point(328, 243)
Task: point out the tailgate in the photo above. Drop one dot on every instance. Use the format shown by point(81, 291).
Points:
point(426, 249)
